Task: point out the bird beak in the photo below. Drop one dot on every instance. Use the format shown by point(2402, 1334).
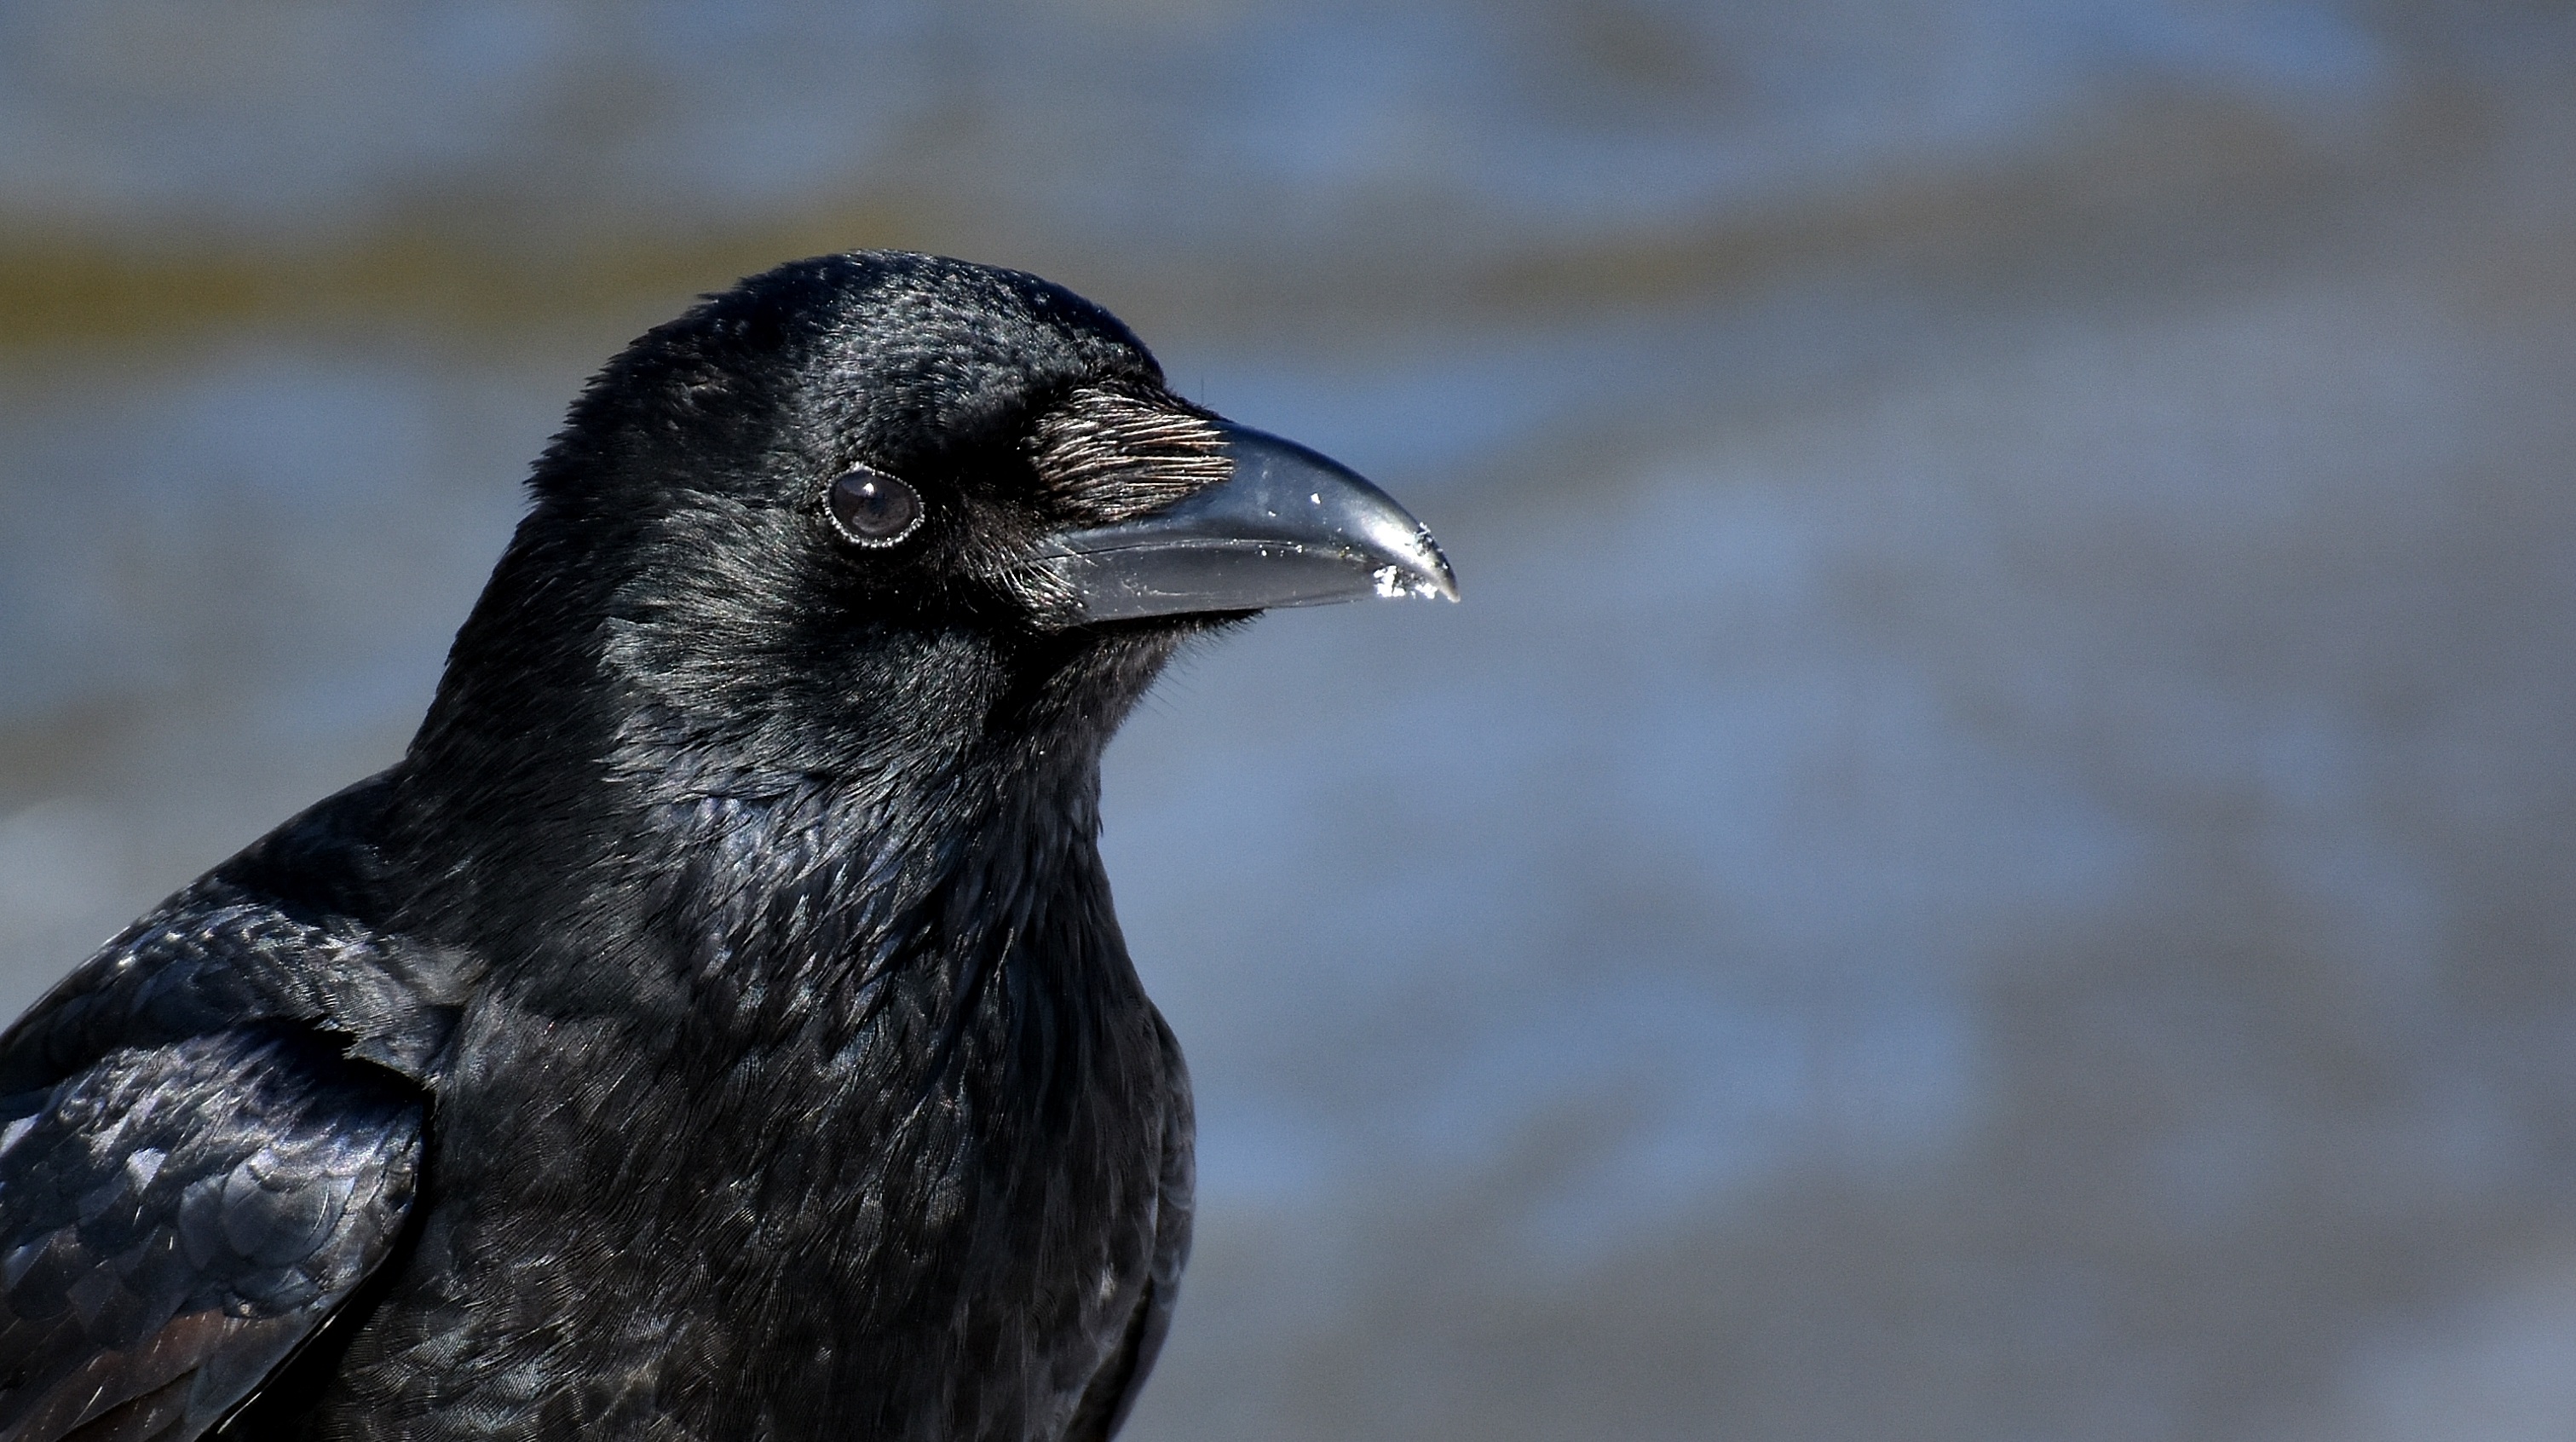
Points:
point(1287, 527)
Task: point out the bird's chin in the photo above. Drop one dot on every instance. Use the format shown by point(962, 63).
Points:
point(1154, 641)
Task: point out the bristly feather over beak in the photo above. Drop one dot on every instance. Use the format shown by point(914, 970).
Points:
point(1220, 517)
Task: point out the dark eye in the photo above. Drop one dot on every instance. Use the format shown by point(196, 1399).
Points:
point(872, 508)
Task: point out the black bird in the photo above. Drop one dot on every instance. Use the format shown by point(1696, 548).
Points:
point(715, 1026)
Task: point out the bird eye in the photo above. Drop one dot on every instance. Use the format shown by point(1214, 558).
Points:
point(871, 508)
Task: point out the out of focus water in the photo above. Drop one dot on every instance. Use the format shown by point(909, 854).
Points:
point(1988, 857)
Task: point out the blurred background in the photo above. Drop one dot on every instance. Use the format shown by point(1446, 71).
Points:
point(1989, 856)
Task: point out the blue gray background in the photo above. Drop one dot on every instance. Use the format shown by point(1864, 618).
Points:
point(1987, 858)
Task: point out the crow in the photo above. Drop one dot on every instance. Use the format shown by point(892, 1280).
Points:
point(715, 1025)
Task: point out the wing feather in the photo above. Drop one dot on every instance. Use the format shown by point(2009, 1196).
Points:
point(175, 1220)
point(1114, 1389)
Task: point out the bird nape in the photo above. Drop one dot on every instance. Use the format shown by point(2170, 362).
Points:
point(715, 1025)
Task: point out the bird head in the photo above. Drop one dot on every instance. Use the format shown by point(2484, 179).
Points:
point(874, 509)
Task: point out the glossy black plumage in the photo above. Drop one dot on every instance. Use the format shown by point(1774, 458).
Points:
point(716, 1025)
